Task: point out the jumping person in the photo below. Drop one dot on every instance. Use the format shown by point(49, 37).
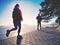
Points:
point(17, 18)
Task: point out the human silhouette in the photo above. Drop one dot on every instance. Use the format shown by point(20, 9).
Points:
point(17, 18)
point(19, 39)
point(39, 18)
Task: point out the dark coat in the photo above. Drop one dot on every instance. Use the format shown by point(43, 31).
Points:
point(39, 18)
point(16, 15)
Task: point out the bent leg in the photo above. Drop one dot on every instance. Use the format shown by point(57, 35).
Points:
point(15, 27)
point(8, 31)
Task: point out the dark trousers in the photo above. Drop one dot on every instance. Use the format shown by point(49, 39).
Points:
point(39, 24)
point(17, 24)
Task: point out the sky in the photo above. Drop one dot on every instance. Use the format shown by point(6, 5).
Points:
point(29, 10)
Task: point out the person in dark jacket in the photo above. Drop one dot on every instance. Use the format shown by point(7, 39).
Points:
point(39, 18)
point(17, 18)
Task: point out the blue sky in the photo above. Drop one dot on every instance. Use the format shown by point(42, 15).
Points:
point(29, 9)
point(4, 3)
